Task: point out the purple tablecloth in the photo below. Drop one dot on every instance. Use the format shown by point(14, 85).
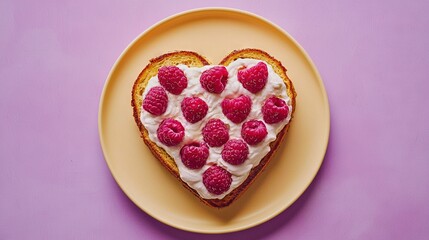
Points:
point(373, 57)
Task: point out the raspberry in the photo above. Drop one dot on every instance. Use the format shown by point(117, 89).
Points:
point(194, 109)
point(214, 79)
point(235, 151)
point(253, 132)
point(217, 180)
point(274, 110)
point(254, 78)
point(172, 79)
point(170, 132)
point(236, 109)
point(215, 133)
point(156, 101)
point(194, 155)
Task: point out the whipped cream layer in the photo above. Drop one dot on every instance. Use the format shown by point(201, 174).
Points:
point(193, 132)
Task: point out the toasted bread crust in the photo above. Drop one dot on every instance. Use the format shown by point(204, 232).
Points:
point(193, 59)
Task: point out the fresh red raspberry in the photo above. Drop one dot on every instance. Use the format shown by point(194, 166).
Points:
point(235, 151)
point(156, 101)
point(217, 180)
point(194, 155)
point(237, 109)
point(214, 79)
point(254, 78)
point(172, 79)
point(274, 110)
point(215, 133)
point(253, 131)
point(170, 132)
point(194, 109)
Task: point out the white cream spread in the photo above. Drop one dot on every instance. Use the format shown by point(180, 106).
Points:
point(275, 86)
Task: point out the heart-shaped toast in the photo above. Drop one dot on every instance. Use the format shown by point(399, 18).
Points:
point(214, 127)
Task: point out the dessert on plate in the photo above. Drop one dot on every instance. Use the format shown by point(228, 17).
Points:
point(214, 127)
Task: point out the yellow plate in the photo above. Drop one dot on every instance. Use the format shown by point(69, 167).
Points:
point(213, 32)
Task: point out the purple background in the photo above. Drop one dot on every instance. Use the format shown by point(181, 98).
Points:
point(372, 55)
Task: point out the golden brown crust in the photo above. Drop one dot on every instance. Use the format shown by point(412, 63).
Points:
point(195, 60)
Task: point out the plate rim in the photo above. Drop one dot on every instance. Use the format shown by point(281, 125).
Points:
point(214, 9)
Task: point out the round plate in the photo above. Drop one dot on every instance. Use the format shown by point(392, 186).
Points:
point(213, 33)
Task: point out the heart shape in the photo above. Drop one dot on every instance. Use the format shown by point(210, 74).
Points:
point(214, 127)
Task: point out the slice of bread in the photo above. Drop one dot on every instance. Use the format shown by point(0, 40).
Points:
point(193, 59)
